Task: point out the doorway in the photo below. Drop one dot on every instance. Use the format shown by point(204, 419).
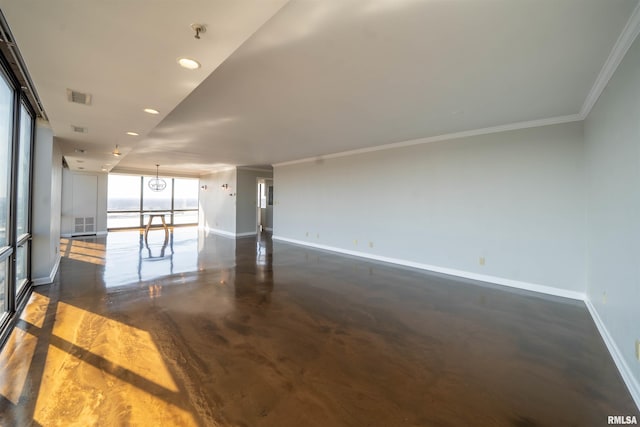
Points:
point(264, 205)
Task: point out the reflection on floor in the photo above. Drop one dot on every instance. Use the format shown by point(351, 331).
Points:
point(214, 331)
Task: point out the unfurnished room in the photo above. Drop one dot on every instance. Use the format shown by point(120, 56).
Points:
point(319, 213)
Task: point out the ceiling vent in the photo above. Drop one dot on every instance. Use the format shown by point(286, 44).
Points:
point(79, 129)
point(78, 97)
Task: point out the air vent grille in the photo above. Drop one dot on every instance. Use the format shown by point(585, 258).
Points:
point(79, 129)
point(78, 97)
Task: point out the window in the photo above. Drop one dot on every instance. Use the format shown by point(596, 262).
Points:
point(6, 145)
point(16, 144)
point(186, 193)
point(156, 200)
point(6, 132)
point(24, 161)
point(130, 200)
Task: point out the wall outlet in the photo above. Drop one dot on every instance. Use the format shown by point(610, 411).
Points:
point(481, 261)
point(355, 242)
point(306, 234)
point(604, 297)
point(317, 235)
point(638, 350)
point(370, 244)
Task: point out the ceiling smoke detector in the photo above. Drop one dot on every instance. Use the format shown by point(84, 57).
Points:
point(199, 29)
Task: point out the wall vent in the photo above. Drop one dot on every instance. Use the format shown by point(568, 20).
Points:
point(84, 225)
point(78, 97)
point(79, 129)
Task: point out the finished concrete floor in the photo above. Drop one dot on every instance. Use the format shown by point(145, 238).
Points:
point(219, 332)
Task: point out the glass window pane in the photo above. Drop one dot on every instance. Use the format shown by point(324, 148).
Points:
point(156, 200)
point(24, 160)
point(21, 265)
point(3, 285)
point(123, 220)
point(123, 193)
point(6, 115)
point(186, 193)
point(185, 217)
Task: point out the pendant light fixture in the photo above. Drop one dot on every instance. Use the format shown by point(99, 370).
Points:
point(157, 184)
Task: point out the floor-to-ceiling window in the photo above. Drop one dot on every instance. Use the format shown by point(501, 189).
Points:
point(6, 149)
point(16, 145)
point(131, 200)
point(23, 223)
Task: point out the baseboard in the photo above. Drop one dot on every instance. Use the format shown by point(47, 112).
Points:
point(97, 234)
point(47, 280)
point(627, 376)
point(220, 232)
point(549, 290)
point(268, 229)
point(249, 233)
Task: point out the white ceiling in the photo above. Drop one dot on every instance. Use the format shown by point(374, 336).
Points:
point(287, 80)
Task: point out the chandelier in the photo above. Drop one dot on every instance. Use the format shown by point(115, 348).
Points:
point(157, 184)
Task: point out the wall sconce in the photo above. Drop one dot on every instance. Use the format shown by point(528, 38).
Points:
point(225, 186)
point(203, 187)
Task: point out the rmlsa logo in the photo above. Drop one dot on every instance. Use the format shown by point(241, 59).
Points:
point(622, 419)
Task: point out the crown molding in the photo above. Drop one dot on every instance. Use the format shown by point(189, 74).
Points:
point(625, 40)
point(456, 135)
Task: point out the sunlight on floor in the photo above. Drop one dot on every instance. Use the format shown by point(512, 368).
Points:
point(90, 353)
point(83, 251)
point(115, 342)
point(16, 361)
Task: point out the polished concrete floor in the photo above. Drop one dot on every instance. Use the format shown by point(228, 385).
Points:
point(211, 331)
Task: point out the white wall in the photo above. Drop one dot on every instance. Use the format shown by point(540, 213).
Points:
point(515, 198)
point(217, 210)
point(612, 139)
point(99, 195)
point(47, 182)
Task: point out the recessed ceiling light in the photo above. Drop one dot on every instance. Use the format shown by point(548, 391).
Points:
point(188, 63)
point(80, 150)
point(151, 111)
point(80, 161)
point(81, 168)
point(133, 133)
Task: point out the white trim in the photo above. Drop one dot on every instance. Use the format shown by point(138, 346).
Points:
point(248, 233)
point(217, 171)
point(102, 233)
point(245, 168)
point(448, 136)
point(137, 172)
point(620, 48)
point(220, 232)
point(268, 229)
point(47, 280)
point(549, 290)
point(627, 376)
